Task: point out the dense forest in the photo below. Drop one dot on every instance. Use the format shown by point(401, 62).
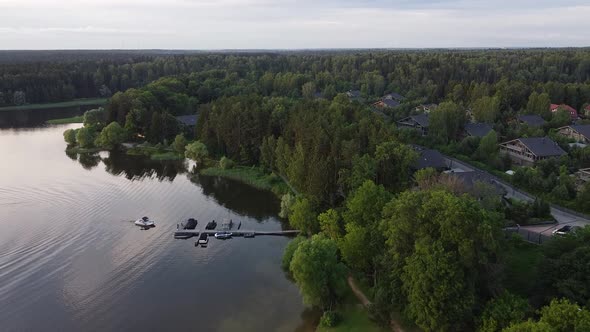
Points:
point(425, 245)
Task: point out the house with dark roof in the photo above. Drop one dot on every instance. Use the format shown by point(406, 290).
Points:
point(526, 151)
point(572, 111)
point(394, 96)
point(579, 133)
point(353, 94)
point(188, 120)
point(583, 175)
point(426, 108)
point(428, 158)
point(474, 183)
point(418, 122)
point(477, 129)
point(383, 103)
point(531, 120)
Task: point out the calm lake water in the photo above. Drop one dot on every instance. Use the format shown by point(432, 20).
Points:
point(71, 258)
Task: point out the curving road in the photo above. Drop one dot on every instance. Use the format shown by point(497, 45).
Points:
point(562, 215)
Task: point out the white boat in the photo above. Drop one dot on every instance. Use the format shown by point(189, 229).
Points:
point(223, 235)
point(145, 222)
point(203, 239)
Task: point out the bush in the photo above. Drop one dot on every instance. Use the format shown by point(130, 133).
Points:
point(226, 163)
point(330, 319)
point(70, 136)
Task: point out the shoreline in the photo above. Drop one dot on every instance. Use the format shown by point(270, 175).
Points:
point(252, 176)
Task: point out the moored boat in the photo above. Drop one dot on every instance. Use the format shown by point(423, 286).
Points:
point(223, 235)
point(145, 222)
point(211, 225)
point(203, 239)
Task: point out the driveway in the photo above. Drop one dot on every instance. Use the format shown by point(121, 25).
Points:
point(562, 215)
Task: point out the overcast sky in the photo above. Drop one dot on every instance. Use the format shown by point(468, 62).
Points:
point(272, 24)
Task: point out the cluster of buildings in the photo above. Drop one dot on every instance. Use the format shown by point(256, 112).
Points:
point(524, 151)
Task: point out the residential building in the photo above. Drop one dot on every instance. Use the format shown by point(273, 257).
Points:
point(572, 111)
point(426, 108)
point(428, 158)
point(474, 183)
point(418, 122)
point(583, 175)
point(477, 129)
point(353, 94)
point(587, 111)
point(383, 103)
point(188, 120)
point(394, 96)
point(580, 133)
point(526, 151)
point(531, 120)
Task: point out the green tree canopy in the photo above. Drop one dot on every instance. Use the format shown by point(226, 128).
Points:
point(321, 277)
point(303, 216)
point(196, 151)
point(446, 122)
point(85, 137)
point(111, 136)
point(70, 136)
point(179, 144)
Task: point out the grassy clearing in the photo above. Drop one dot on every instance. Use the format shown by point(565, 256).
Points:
point(74, 119)
point(522, 263)
point(64, 104)
point(169, 155)
point(77, 149)
point(252, 176)
point(354, 319)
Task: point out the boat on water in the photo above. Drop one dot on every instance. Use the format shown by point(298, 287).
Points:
point(145, 222)
point(211, 225)
point(203, 239)
point(223, 235)
point(191, 223)
point(249, 234)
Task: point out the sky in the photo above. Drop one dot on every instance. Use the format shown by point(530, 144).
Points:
point(292, 24)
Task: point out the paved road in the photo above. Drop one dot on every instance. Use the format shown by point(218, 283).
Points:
point(562, 215)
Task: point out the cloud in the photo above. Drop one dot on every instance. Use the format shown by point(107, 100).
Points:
point(208, 24)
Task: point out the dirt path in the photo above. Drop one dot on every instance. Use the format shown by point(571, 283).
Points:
point(395, 327)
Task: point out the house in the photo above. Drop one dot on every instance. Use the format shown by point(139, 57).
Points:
point(583, 175)
point(473, 180)
point(383, 103)
point(572, 111)
point(188, 120)
point(418, 122)
point(587, 111)
point(526, 151)
point(353, 94)
point(426, 108)
point(394, 96)
point(531, 120)
point(580, 133)
point(428, 158)
point(477, 129)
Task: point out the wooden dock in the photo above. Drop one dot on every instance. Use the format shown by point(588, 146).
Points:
point(237, 233)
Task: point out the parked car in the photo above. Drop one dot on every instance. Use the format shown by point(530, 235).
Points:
point(567, 229)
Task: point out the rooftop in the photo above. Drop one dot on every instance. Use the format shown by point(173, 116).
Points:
point(582, 129)
point(532, 120)
point(478, 129)
point(188, 120)
point(428, 158)
point(542, 146)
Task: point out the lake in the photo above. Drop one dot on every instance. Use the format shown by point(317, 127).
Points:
point(71, 258)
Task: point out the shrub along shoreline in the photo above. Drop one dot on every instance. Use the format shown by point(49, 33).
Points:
point(253, 176)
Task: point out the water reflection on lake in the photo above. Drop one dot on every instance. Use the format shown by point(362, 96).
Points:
point(71, 258)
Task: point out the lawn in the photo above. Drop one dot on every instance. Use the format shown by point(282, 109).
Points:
point(74, 119)
point(63, 104)
point(354, 319)
point(253, 176)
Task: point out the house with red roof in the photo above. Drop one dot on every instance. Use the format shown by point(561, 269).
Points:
point(571, 110)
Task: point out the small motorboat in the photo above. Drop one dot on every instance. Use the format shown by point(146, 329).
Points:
point(249, 235)
point(203, 239)
point(211, 225)
point(191, 223)
point(145, 222)
point(223, 235)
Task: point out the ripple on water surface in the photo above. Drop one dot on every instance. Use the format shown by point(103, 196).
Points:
point(72, 259)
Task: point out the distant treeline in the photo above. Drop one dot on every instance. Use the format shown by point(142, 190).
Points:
point(51, 76)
